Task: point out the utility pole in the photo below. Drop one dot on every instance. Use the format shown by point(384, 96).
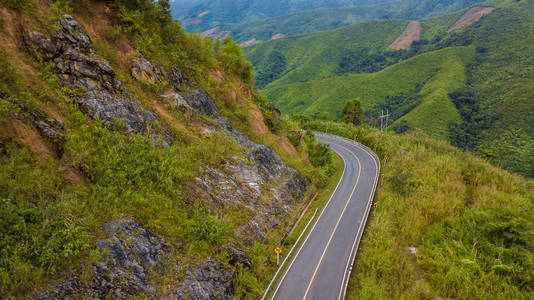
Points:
point(384, 120)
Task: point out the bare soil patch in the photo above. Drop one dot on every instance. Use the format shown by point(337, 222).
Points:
point(26, 136)
point(257, 122)
point(411, 34)
point(286, 145)
point(249, 43)
point(471, 16)
point(215, 75)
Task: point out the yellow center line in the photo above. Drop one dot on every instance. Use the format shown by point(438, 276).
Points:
point(338, 221)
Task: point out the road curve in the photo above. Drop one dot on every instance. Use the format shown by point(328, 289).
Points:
point(322, 265)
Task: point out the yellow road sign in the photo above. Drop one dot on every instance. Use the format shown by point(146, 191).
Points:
point(277, 250)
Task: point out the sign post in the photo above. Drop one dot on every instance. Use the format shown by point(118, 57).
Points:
point(277, 250)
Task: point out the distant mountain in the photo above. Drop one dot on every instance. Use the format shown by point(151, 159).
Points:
point(330, 18)
point(205, 14)
point(471, 86)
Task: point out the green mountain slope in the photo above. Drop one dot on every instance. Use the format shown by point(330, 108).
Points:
point(317, 55)
point(331, 18)
point(431, 75)
point(356, 48)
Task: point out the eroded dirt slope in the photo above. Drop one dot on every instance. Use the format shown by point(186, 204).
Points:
point(408, 36)
point(471, 16)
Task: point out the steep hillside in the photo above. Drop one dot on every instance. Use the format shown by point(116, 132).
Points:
point(320, 54)
point(446, 223)
point(331, 18)
point(137, 160)
point(205, 14)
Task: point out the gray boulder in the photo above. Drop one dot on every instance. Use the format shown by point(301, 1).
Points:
point(143, 70)
point(200, 100)
point(210, 280)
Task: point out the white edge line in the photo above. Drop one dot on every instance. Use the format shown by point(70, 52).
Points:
point(288, 255)
point(311, 230)
point(352, 257)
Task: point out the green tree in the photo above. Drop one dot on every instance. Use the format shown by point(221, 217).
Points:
point(353, 112)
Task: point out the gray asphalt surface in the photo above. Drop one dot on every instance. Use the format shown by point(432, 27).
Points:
point(322, 265)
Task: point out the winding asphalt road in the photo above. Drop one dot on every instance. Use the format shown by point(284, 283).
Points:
point(321, 267)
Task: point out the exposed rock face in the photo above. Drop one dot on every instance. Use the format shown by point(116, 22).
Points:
point(244, 185)
point(273, 107)
point(104, 96)
point(129, 254)
point(144, 70)
point(211, 280)
point(201, 101)
point(238, 256)
point(177, 101)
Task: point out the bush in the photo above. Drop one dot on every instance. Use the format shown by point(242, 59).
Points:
point(401, 127)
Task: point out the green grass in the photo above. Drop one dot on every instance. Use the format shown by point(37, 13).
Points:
point(470, 221)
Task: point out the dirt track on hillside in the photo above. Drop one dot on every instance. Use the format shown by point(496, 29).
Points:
point(471, 16)
point(411, 33)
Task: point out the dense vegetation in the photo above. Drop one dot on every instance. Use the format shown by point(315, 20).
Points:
point(52, 207)
point(321, 54)
point(469, 223)
point(359, 48)
point(415, 90)
point(331, 18)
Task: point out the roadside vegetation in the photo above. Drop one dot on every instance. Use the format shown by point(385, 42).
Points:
point(447, 224)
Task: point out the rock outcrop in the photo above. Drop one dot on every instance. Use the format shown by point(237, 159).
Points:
point(200, 100)
point(210, 280)
point(261, 182)
point(130, 253)
point(244, 184)
point(104, 97)
point(144, 71)
point(237, 256)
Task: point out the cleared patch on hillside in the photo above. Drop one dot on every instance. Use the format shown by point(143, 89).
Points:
point(250, 42)
point(216, 32)
point(278, 36)
point(411, 33)
point(471, 16)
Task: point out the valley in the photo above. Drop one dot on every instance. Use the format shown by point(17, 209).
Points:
point(216, 149)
